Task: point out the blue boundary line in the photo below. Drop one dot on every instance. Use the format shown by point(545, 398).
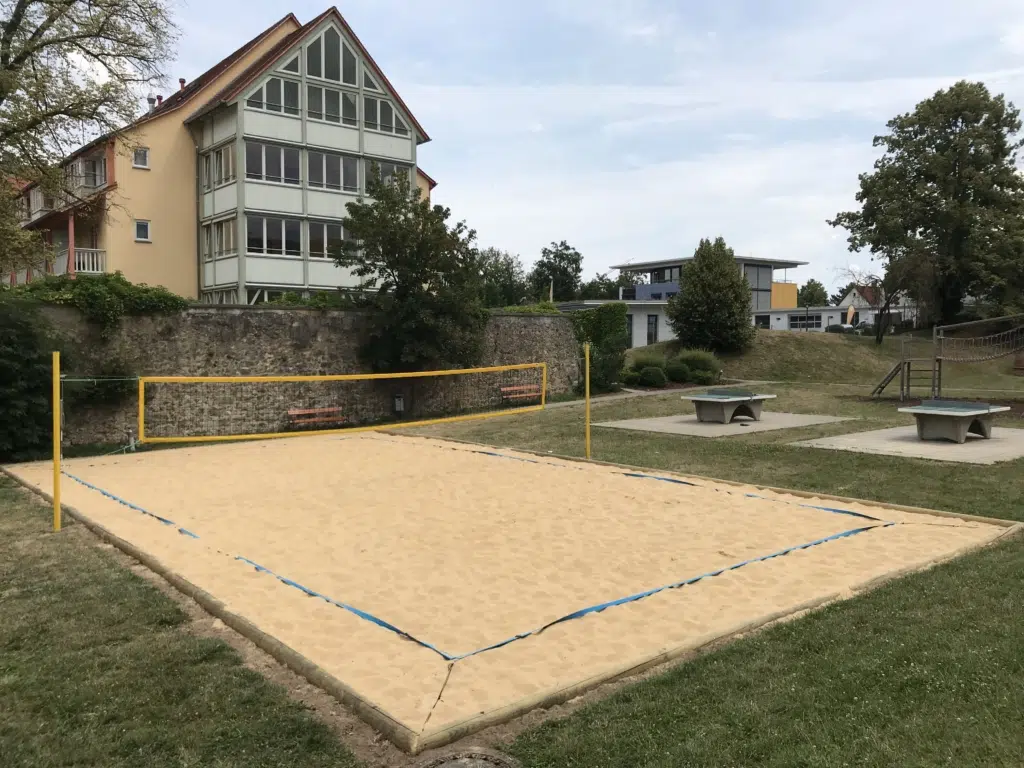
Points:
point(568, 617)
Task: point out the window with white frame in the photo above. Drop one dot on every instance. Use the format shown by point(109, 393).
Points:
point(94, 171)
point(368, 82)
point(325, 239)
point(804, 322)
point(292, 66)
point(331, 105)
point(387, 171)
point(380, 115)
point(219, 239)
point(276, 95)
point(270, 162)
point(273, 236)
point(142, 233)
point(140, 158)
point(329, 57)
point(326, 170)
point(219, 167)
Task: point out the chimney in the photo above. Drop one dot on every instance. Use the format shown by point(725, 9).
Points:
point(152, 101)
point(181, 82)
point(159, 100)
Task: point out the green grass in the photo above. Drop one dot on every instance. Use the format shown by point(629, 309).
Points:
point(96, 668)
point(846, 358)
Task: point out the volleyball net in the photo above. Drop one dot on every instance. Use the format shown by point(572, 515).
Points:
point(188, 409)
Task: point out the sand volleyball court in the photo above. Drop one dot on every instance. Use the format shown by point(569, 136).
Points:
point(437, 587)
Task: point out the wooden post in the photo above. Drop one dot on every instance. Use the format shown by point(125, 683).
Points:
point(71, 243)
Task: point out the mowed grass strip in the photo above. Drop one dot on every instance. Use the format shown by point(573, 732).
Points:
point(925, 671)
point(96, 668)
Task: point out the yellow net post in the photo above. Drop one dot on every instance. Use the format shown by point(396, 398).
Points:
point(586, 395)
point(56, 441)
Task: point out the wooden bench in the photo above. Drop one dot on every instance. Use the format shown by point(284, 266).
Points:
point(525, 392)
point(301, 417)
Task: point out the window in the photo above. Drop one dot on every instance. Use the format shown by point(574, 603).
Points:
point(629, 330)
point(276, 95)
point(760, 278)
point(762, 321)
point(274, 236)
point(330, 105)
point(219, 239)
point(331, 58)
point(142, 231)
point(140, 157)
point(329, 171)
point(666, 275)
point(325, 239)
point(94, 171)
point(292, 66)
point(387, 170)
point(804, 322)
point(268, 162)
point(652, 329)
point(219, 167)
point(655, 297)
point(379, 115)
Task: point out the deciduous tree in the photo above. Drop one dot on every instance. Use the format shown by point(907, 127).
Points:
point(561, 263)
point(812, 294)
point(944, 205)
point(419, 275)
point(504, 278)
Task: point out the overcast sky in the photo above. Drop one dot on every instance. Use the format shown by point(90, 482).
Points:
point(631, 128)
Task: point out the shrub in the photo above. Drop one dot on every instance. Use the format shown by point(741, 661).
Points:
point(25, 380)
point(712, 308)
point(647, 358)
point(678, 372)
point(604, 328)
point(629, 378)
point(700, 360)
point(540, 308)
point(653, 377)
point(703, 377)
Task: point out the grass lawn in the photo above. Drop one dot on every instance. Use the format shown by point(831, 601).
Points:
point(97, 667)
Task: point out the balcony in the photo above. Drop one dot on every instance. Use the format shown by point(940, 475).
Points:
point(88, 261)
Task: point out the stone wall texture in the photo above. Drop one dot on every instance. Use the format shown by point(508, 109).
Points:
point(258, 341)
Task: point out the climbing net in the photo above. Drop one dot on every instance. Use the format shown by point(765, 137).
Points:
point(975, 349)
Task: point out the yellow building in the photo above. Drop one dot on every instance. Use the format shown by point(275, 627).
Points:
point(233, 188)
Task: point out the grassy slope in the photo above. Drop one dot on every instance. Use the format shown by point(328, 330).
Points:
point(841, 358)
point(97, 670)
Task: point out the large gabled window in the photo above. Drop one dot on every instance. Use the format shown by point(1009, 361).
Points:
point(380, 115)
point(276, 95)
point(330, 57)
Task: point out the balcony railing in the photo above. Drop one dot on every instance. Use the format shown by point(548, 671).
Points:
point(88, 261)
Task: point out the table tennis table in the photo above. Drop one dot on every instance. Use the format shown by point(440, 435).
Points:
point(723, 405)
point(953, 420)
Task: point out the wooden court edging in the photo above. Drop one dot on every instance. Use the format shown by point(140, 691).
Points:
point(734, 483)
point(403, 737)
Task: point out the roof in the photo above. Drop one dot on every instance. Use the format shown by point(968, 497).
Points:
point(426, 176)
point(183, 95)
point(236, 86)
point(868, 293)
point(641, 266)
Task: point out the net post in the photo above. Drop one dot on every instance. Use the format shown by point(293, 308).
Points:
point(543, 384)
point(142, 410)
point(56, 441)
point(586, 389)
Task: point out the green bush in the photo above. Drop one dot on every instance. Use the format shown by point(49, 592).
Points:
point(678, 372)
point(700, 360)
point(703, 377)
point(540, 308)
point(653, 377)
point(604, 328)
point(25, 380)
point(629, 378)
point(647, 358)
point(102, 299)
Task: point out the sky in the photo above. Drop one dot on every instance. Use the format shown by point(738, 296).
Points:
point(633, 128)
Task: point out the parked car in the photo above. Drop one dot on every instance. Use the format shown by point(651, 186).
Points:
point(839, 328)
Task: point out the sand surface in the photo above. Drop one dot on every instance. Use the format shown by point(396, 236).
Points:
point(462, 549)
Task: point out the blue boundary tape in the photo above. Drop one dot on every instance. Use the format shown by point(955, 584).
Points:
point(597, 608)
